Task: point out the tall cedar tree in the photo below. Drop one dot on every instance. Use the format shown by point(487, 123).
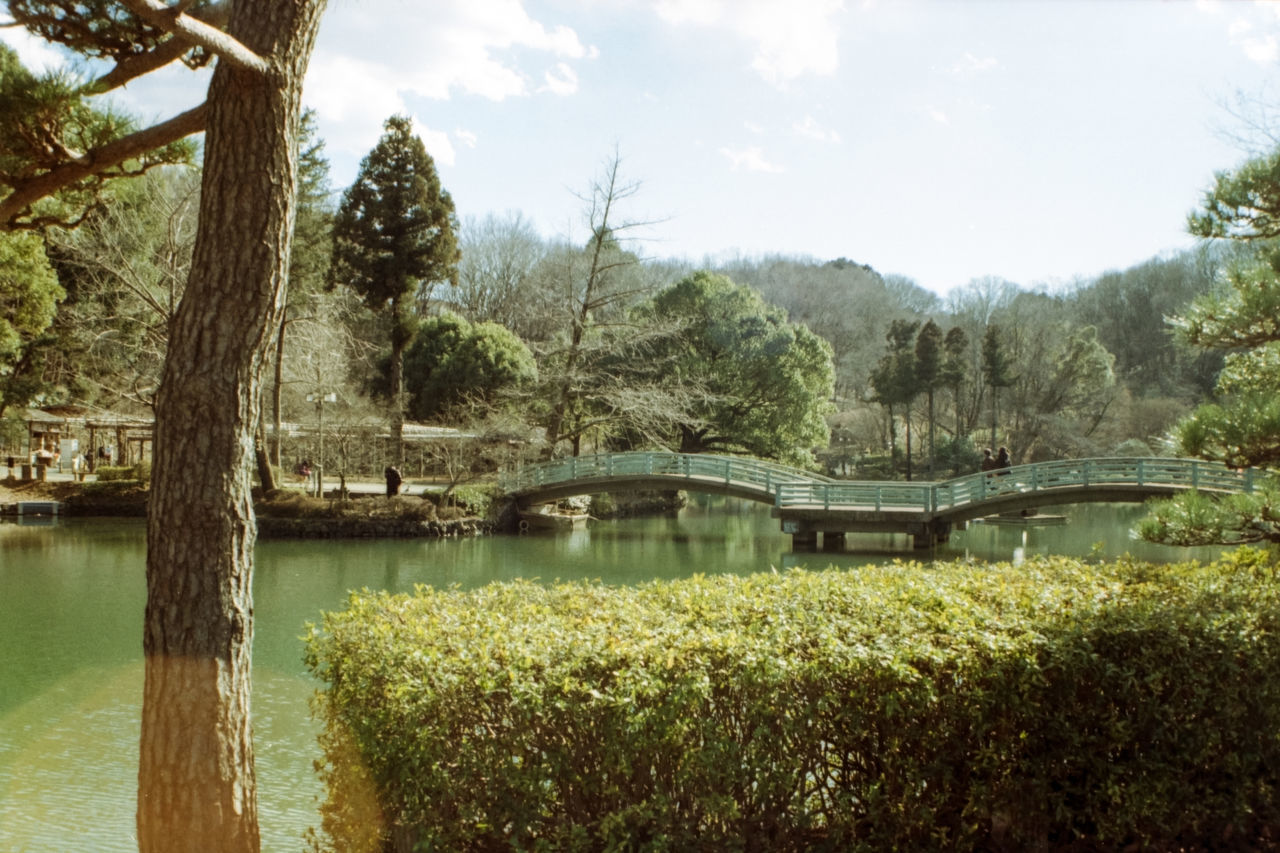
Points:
point(929, 373)
point(955, 370)
point(393, 240)
point(196, 783)
point(894, 381)
point(996, 371)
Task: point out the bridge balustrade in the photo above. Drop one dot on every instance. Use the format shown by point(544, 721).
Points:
point(766, 475)
point(1040, 476)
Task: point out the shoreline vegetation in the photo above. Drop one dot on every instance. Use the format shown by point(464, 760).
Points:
point(289, 514)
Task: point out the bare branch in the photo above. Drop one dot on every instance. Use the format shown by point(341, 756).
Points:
point(97, 162)
point(190, 29)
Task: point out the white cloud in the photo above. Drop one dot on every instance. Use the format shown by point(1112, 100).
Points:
point(561, 80)
point(373, 55)
point(1259, 45)
point(791, 39)
point(437, 142)
point(466, 137)
point(753, 127)
point(750, 159)
point(35, 53)
point(938, 115)
point(809, 128)
point(970, 64)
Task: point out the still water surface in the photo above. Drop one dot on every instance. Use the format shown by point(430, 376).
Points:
point(72, 596)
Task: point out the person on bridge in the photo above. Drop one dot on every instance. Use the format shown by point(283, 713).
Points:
point(1003, 461)
point(988, 461)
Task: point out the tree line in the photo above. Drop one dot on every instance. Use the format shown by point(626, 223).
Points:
point(399, 310)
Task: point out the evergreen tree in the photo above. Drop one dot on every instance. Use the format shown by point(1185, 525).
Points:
point(929, 373)
point(29, 295)
point(452, 363)
point(393, 240)
point(996, 370)
point(955, 369)
point(894, 380)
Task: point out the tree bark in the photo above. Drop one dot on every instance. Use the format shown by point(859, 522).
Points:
point(196, 783)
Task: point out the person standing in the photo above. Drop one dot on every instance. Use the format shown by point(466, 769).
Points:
point(392, 473)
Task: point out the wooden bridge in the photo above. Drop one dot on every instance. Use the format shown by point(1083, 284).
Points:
point(809, 504)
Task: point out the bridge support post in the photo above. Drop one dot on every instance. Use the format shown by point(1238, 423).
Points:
point(833, 540)
point(804, 540)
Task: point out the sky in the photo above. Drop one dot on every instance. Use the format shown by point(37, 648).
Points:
point(1040, 141)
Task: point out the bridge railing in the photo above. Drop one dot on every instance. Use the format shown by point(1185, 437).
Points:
point(1040, 476)
point(766, 476)
point(856, 496)
point(792, 488)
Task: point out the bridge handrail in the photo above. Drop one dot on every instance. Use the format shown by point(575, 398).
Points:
point(728, 469)
point(1040, 476)
point(789, 488)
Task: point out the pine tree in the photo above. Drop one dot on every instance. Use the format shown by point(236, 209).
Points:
point(393, 241)
point(1242, 428)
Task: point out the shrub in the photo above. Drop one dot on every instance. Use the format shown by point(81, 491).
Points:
point(138, 472)
point(287, 503)
point(951, 706)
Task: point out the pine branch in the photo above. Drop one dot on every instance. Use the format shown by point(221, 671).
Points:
point(16, 207)
point(188, 28)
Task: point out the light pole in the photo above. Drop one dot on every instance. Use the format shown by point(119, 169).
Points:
point(320, 399)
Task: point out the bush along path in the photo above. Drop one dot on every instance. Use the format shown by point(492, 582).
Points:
point(1057, 704)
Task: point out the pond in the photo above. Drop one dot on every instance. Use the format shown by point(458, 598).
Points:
point(72, 595)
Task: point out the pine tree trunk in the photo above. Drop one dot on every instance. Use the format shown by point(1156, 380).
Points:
point(196, 783)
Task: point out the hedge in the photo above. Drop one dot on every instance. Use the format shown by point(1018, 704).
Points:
point(1052, 705)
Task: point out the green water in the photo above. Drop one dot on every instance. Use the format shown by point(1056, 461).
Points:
point(72, 597)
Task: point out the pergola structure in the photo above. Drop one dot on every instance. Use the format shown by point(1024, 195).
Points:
point(106, 438)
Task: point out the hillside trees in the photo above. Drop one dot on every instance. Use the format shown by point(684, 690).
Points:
point(1129, 309)
point(197, 788)
point(496, 274)
point(393, 241)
